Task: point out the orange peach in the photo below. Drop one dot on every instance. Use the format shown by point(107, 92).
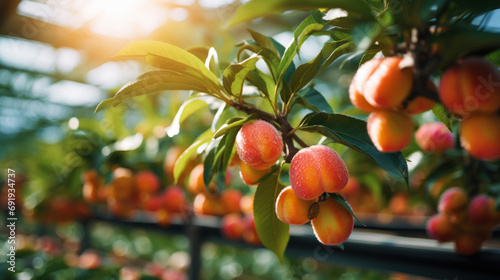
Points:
point(196, 184)
point(434, 137)
point(250, 175)
point(389, 85)
point(390, 131)
point(89, 259)
point(468, 244)
point(231, 199)
point(291, 209)
point(480, 134)
point(259, 144)
point(439, 228)
point(175, 199)
point(453, 200)
point(471, 85)
point(232, 226)
point(419, 105)
point(356, 88)
point(208, 205)
point(399, 204)
point(123, 184)
point(246, 204)
point(147, 182)
point(315, 170)
point(334, 223)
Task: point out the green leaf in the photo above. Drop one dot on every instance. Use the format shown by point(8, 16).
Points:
point(352, 133)
point(260, 8)
point(190, 106)
point(186, 156)
point(151, 82)
point(444, 115)
point(234, 123)
point(270, 57)
point(173, 56)
point(264, 41)
point(218, 159)
point(345, 205)
point(342, 49)
point(235, 74)
point(273, 233)
point(263, 82)
point(313, 100)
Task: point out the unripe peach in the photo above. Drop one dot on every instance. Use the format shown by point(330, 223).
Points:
point(482, 210)
point(453, 200)
point(146, 181)
point(334, 223)
point(232, 226)
point(231, 199)
point(468, 244)
point(480, 134)
point(249, 175)
point(470, 86)
point(291, 209)
point(315, 170)
point(175, 199)
point(389, 85)
point(434, 137)
point(390, 131)
point(259, 144)
point(439, 228)
point(356, 88)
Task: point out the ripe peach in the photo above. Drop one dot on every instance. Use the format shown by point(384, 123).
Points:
point(439, 228)
point(90, 191)
point(479, 134)
point(399, 204)
point(468, 244)
point(154, 203)
point(315, 170)
point(231, 199)
point(291, 209)
point(471, 85)
point(249, 175)
point(250, 234)
point(388, 86)
point(259, 144)
point(390, 131)
point(172, 155)
point(175, 199)
point(482, 210)
point(334, 223)
point(196, 184)
point(434, 137)
point(246, 204)
point(356, 88)
point(122, 185)
point(208, 205)
point(232, 226)
point(453, 200)
point(147, 182)
point(352, 188)
point(419, 105)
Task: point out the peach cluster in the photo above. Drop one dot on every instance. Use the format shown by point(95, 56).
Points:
point(467, 223)
point(314, 171)
point(381, 86)
point(471, 89)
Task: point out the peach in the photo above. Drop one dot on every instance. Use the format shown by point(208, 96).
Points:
point(231, 199)
point(468, 244)
point(172, 155)
point(196, 183)
point(246, 204)
point(388, 86)
point(147, 182)
point(390, 131)
point(154, 203)
point(315, 170)
point(453, 200)
point(232, 226)
point(250, 175)
point(208, 205)
point(419, 105)
point(163, 217)
point(334, 223)
point(356, 88)
point(399, 204)
point(482, 210)
point(90, 191)
point(439, 228)
point(434, 137)
point(123, 184)
point(291, 209)
point(479, 136)
point(352, 188)
point(250, 234)
point(90, 259)
point(174, 199)
point(259, 144)
point(471, 85)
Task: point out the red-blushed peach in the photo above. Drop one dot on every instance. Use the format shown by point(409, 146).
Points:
point(250, 175)
point(453, 200)
point(334, 223)
point(291, 209)
point(147, 181)
point(250, 234)
point(390, 131)
point(174, 199)
point(440, 228)
point(468, 244)
point(471, 85)
point(480, 134)
point(482, 210)
point(356, 88)
point(434, 137)
point(154, 203)
point(389, 85)
point(259, 144)
point(232, 226)
point(231, 199)
point(315, 170)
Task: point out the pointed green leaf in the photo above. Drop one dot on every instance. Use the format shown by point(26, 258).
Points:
point(218, 159)
point(264, 41)
point(186, 156)
point(273, 233)
point(190, 106)
point(235, 74)
point(263, 82)
point(313, 100)
point(444, 115)
point(352, 133)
